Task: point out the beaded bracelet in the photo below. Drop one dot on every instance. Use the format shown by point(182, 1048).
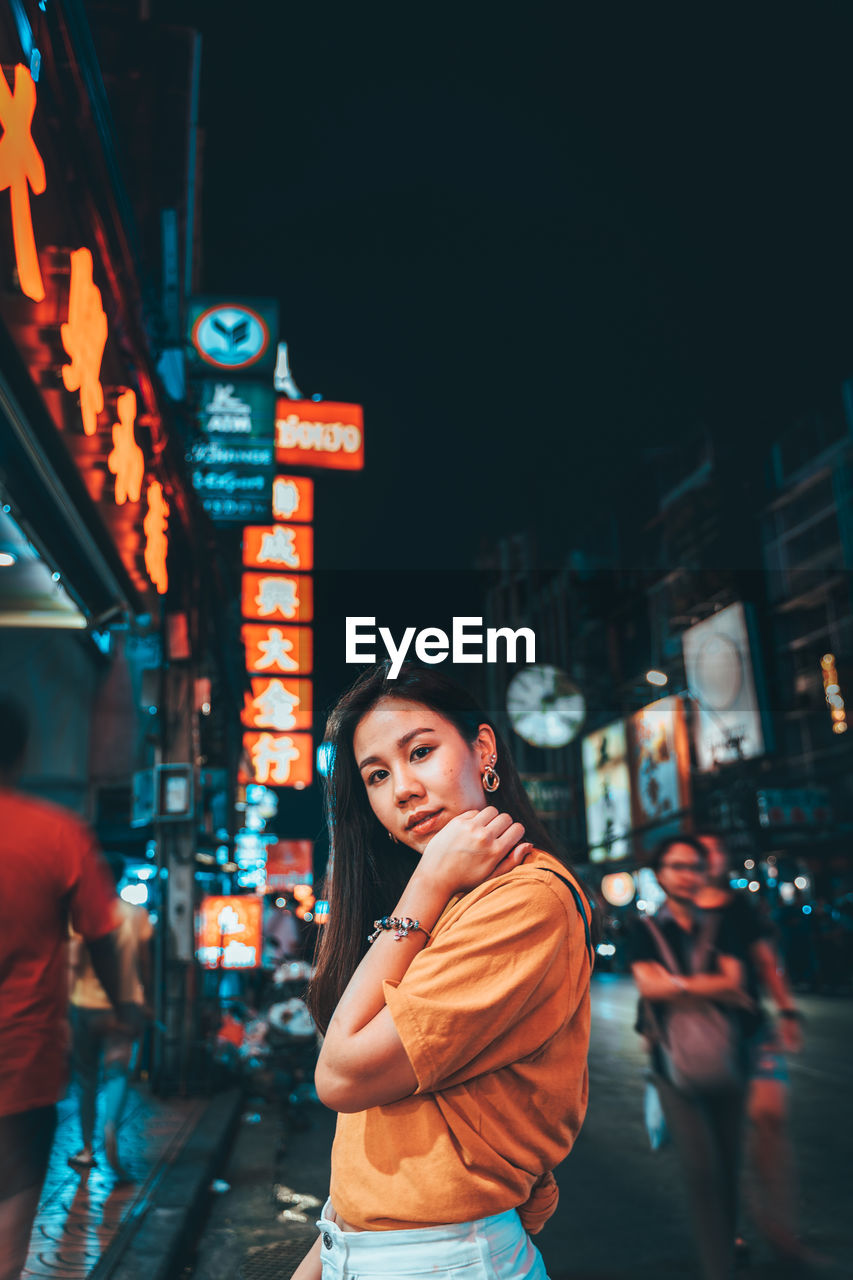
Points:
point(402, 928)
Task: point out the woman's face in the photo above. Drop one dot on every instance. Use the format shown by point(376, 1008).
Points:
point(418, 770)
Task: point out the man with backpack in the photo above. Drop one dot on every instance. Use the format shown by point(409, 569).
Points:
point(691, 979)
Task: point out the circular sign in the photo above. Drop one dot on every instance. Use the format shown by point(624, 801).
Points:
point(545, 707)
point(230, 336)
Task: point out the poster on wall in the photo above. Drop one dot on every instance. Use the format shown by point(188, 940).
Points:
point(660, 762)
point(607, 792)
point(721, 684)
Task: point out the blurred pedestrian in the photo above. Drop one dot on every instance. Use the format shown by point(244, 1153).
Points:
point(95, 1038)
point(769, 1146)
point(50, 869)
point(691, 979)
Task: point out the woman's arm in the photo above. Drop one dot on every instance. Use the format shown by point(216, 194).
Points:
point(363, 1063)
point(311, 1266)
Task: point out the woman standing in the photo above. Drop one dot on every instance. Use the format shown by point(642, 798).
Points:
point(456, 1043)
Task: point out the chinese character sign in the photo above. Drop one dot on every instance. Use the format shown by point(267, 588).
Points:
point(278, 759)
point(281, 596)
point(278, 650)
point(84, 337)
point(278, 546)
point(126, 461)
point(293, 499)
point(279, 704)
point(155, 526)
point(21, 171)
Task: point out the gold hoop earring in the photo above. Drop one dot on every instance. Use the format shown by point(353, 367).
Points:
point(491, 781)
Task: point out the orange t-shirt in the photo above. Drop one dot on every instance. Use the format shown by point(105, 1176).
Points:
point(494, 1016)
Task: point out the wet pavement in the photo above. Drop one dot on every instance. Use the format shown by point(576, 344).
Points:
point(82, 1216)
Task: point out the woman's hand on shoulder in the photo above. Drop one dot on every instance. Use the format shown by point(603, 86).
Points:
point(473, 847)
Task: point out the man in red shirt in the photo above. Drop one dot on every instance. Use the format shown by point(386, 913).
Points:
point(50, 873)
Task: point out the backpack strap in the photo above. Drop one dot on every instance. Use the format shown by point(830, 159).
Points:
point(700, 952)
point(579, 903)
point(664, 949)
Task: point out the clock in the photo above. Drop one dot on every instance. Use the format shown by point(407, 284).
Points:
point(545, 707)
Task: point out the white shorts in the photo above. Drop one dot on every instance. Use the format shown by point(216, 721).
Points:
point(496, 1248)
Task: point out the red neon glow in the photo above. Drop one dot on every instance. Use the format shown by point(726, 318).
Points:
point(155, 526)
point(126, 460)
point(21, 170)
point(84, 338)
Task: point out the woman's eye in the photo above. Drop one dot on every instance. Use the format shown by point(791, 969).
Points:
point(420, 753)
point(376, 776)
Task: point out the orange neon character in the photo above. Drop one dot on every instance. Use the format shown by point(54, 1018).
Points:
point(155, 525)
point(272, 756)
point(126, 461)
point(84, 338)
point(20, 165)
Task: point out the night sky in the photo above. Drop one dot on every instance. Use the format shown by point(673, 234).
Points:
point(537, 251)
point(533, 250)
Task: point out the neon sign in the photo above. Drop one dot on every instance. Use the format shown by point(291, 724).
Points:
point(21, 171)
point(155, 527)
point(84, 337)
point(126, 461)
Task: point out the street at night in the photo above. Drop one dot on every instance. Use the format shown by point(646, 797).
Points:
point(426, 641)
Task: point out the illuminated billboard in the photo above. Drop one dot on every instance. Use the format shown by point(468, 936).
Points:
point(322, 435)
point(721, 684)
point(660, 761)
point(228, 932)
point(607, 792)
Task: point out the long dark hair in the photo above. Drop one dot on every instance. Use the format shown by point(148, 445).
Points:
point(367, 871)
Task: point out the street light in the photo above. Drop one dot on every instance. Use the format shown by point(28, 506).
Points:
point(659, 678)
